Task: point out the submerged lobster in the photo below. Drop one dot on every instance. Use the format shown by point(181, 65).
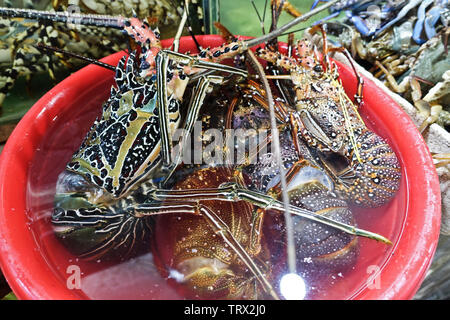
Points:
point(120, 177)
point(204, 261)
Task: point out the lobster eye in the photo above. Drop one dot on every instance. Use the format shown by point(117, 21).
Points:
point(71, 182)
point(318, 68)
point(74, 183)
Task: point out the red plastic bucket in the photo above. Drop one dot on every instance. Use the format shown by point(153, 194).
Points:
point(413, 217)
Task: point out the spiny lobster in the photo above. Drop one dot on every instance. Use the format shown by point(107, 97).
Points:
point(118, 177)
point(363, 165)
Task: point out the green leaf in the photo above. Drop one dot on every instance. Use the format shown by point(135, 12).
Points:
point(10, 296)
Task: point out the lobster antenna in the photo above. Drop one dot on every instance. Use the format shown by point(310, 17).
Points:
point(116, 22)
point(191, 33)
point(184, 18)
point(290, 242)
point(189, 27)
point(276, 33)
point(261, 21)
point(43, 47)
point(293, 31)
point(264, 12)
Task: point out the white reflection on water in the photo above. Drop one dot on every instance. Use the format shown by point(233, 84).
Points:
point(137, 278)
point(292, 287)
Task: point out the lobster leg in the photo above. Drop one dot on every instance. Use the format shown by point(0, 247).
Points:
point(234, 192)
point(223, 230)
point(288, 7)
point(327, 50)
point(192, 115)
point(163, 59)
point(290, 175)
point(360, 81)
point(219, 227)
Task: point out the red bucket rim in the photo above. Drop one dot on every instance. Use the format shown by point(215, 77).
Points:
point(30, 278)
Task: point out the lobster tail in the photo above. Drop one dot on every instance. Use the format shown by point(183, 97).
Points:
point(373, 181)
point(320, 248)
